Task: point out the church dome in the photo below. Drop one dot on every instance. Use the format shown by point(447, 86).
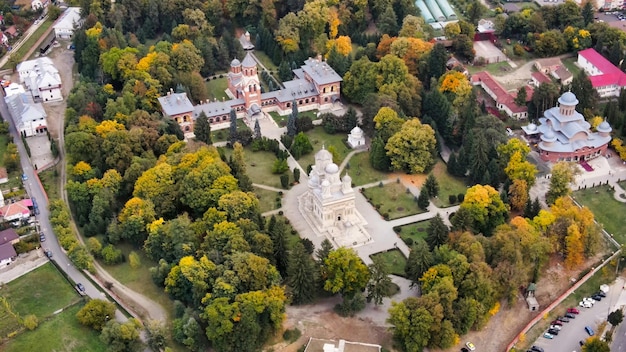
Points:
point(314, 181)
point(549, 136)
point(356, 131)
point(604, 127)
point(332, 168)
point(235, 63)
point(325, 183)
point(323, 154)
point(347, 179)
point(568, 98)
point(532, 127)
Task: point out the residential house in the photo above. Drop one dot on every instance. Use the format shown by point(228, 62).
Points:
point(41, 78)
point(320, 345)
point(11, 32)
point(67, 23)
point(504, 100)
point(8, 238)
point(607, 79)
point(29, 117)
point(563, 75)
point(39, 4)
point(537, 78)
point(16, 211)
point(548, 64)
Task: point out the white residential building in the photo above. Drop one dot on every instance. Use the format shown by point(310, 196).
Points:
point(41, 78)
point(29, 117)
point(65, 25)
point(607, 79)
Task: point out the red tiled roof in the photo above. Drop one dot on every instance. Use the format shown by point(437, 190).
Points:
point(611, 75)
point(540, 77)
point(13, 209)
point(502, 95)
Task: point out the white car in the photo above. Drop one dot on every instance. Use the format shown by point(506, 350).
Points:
point(556, 327)
point(585, 304)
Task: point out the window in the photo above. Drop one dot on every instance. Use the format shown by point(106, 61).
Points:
point(288, 105)
point(332, 88)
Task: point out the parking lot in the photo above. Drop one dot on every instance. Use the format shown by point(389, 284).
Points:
point(574, 331)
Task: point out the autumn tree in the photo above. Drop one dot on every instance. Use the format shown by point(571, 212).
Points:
point(412, 323)
point(121, 337)
point(346, 273)
point(412, 149)
point(574, 248)
point(563, 174)
point(485, 208)
point(387, 123)
point(96, 313)
point(518, 194)
point(596, 345)
point(301, 275)
point(520, 169)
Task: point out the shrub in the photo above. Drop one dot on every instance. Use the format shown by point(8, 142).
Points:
point(280, 212)
point(452, 199)
point(397, 229)
point(111, 255)
point(292, 335)
point(408, 241)
point(460, 197)
point(280, 166)
point(284, 181)
point(31, 322)
point(134, 260)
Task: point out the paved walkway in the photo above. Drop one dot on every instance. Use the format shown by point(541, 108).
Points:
point(24, 264)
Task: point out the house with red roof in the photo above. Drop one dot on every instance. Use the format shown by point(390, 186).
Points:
point(504, 100)
point(607, 79)
point(16, 211)
point(538, 78)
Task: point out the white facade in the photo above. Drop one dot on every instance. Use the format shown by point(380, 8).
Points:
point(29, 117)
point(356, 138)
point(41, 78)
point(65, 25)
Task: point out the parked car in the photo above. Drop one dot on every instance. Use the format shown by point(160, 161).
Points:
point(585, 304)
point(536, 349)
point(581, 342)
point(553, 332)
point(563, 319)
point(570, 315)
point(48, 253)
point(589, 330)
point(42, 237)
point(24, 177)
point(573, 310)
point(556, 327)
point(601, 294)
point(80, 287)
point(470, 346)
point(596, 297)
point(548, 336)
point(556, 322)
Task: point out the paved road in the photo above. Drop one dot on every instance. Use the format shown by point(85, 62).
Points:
point(574, 331)
point(36, 191)
point(25, 37)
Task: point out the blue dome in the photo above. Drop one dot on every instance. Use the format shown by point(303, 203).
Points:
point(568, 98)
point(604, 127)
point(235, 63)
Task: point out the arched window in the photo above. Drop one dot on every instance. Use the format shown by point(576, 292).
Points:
point(326, 99)
point(324, 89)
point(288, 105)
point(300, 102)
point(210, 120)
point(332, 88)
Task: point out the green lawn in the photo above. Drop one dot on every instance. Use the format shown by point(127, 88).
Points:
point(448, 185)
point(414, 231)
point(496, 69)
point(221, 135)
point(607, 211)
point(282, 120)
point(50, 181)
point(267, 199)
point(362, 171)
point(40, 292)
point(4, 141)
point(265, 60)
point(21, 52)
point(395, 261)
point(622, 184)
point(216, 88)
point(571, 66)
point(259, 166)
point(9, 323)
point(140, 279)
point(61, 333)
point(319, 138)
point(392, 199)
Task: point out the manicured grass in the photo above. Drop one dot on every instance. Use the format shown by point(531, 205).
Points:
point(221, 135)
point(448, 185)
point(571, 66)
point(319, 138)
point(139, 279)
point(267, 199)
point(361, 170)
point(282, 120)
point(607, 211)
point(4, 141)
point(21, 52)
point(217, 87)
point(622, 184)
point(393, 200)
point(395, 261)
point(9, 323)
point(267, 62)
point(40, 292)
point(496, 69)
point(259, 167)
point(62, 332)
point(414, 231)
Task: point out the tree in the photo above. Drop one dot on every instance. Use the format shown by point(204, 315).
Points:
point(279, 238)
point(588, 12)
point(202, 129)
point(301, 275)
point(596, 345)
point(156, 334)
point(520, 169)
point(291, 122)
point(437, 232)
point(520, 98)
point(563, 174)
point(412, 149)
point(518, 194)
point(378, 155)
point(380, 283)
point(420, 259)
point(30, 322)
point(586, 95)
point(412, 324)
point(431, 185)
point(437, 107)
point(475, 10)
point(388, 22)
point(437, 61)
point(388, 123)
point(96, 313)
point(423, 200)
point(550, 43)
point(485, 208)
point(257, 129)
point(346, 273)
point(122, 337)
point(301, 146)
point(232, 135)
point(616, 317)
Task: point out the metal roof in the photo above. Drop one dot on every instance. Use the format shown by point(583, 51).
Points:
point(175, 104)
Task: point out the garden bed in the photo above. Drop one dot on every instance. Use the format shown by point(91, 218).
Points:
point(392, 200)
point(395, 261)
point(410, 233)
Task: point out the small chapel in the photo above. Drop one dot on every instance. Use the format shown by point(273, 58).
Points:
point(329, 207)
